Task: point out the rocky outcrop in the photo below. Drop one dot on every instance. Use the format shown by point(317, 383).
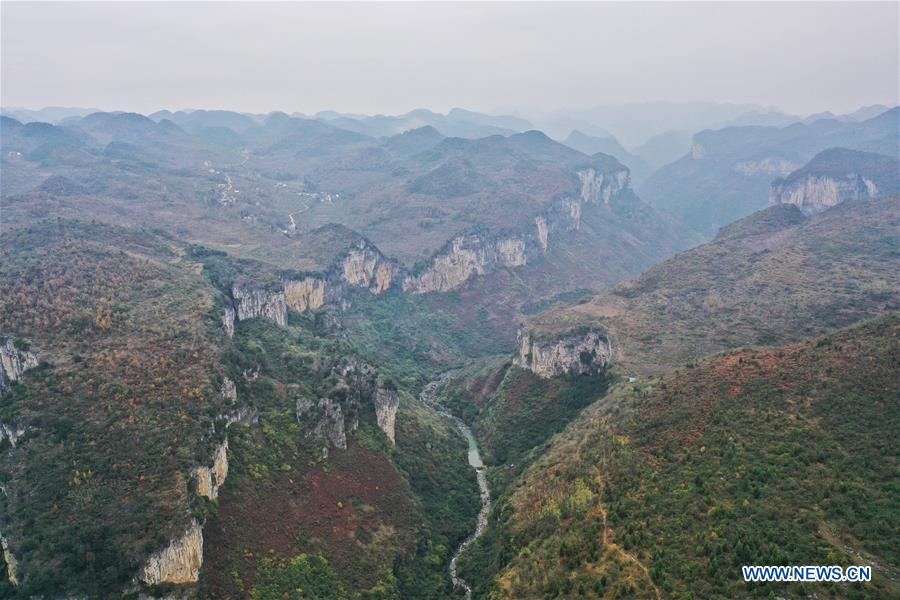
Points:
point(331, 419)
point(12, 565)
point(698, 151)
point(305, 294)
point(327, 419)
point(814, 194)
point(582, 352)
point(229, 391)
point(386, 401)
point(765, 166)
point(464, 257)
point(542, 232)
point(11, 432)
point(364, 266)
point(14, 361)
point(177, 563)
point(210, 479)
point(599, 186)
point(228, 321)
point(253, 301)
point(834, 176)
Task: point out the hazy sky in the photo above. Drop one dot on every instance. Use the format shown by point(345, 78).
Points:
point(390, 58)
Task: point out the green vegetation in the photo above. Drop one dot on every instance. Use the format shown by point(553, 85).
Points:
point(303, 577)
point(385, 518)
point(774, 286)
point(784, 456)
point(117, 412)
point(513, 412)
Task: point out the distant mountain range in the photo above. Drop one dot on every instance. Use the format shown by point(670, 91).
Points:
point(727, 173)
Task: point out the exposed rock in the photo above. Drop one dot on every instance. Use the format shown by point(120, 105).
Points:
point(365, 266)
point(210, 479)
point(328, 418)
point(228, 321)
point(11, 432)
point(597, 187)
point(177, 563)
point(229, 391)
point(816, 194)
point(12, 565)
point(465, 256)
point(242, 414)
point(305, 294)
point(765, 166)
point(13, 363)
point(698, 152)
point(579, 353)
point(835, 175)
point(542, 232)
point(386, 401)
point(256, 301)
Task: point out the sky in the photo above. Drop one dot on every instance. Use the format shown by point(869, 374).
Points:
point(390, 58)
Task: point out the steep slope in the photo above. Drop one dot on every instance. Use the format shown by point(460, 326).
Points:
point(774, 278)
point(666, 487)
point(588, 144)
point(119, 411)
point(159, 400)
point(727, 173)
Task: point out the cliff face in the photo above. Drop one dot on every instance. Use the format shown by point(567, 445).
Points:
point(210, 479)
point(11, 432)
point(814, 194)
point(465, 256)
point(327, 420)
point(12, 565)
point(599, 186)
point(364, 266)
point(582, 353)
point(256, 301)
point(330, 420)
point(13, 363)
point(386, 401)
point(177, 563)
point(305, 294)
point(228, 321)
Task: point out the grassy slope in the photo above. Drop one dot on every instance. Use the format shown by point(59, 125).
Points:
point(118, 412)
point(656, 492)
point(775, 285)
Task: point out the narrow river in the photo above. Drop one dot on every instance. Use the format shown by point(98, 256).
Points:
point(428, 397)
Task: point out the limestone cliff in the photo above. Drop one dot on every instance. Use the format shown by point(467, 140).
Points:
point(330, 420)
point(542, 232)
point(228, 321)
point(252, 301)
point(364, 266)
point(836, 175)
point(12, 565)
point(815, 194)
point(14, 361)
point(229, 391)
point(577, 353)
point(466, 256)
point(327, 420)
point(210, 479)
point(177, 563)
point(771, 165)
point(11, 432)
point(601, 187)
point(386, 401)
point(305, 294)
